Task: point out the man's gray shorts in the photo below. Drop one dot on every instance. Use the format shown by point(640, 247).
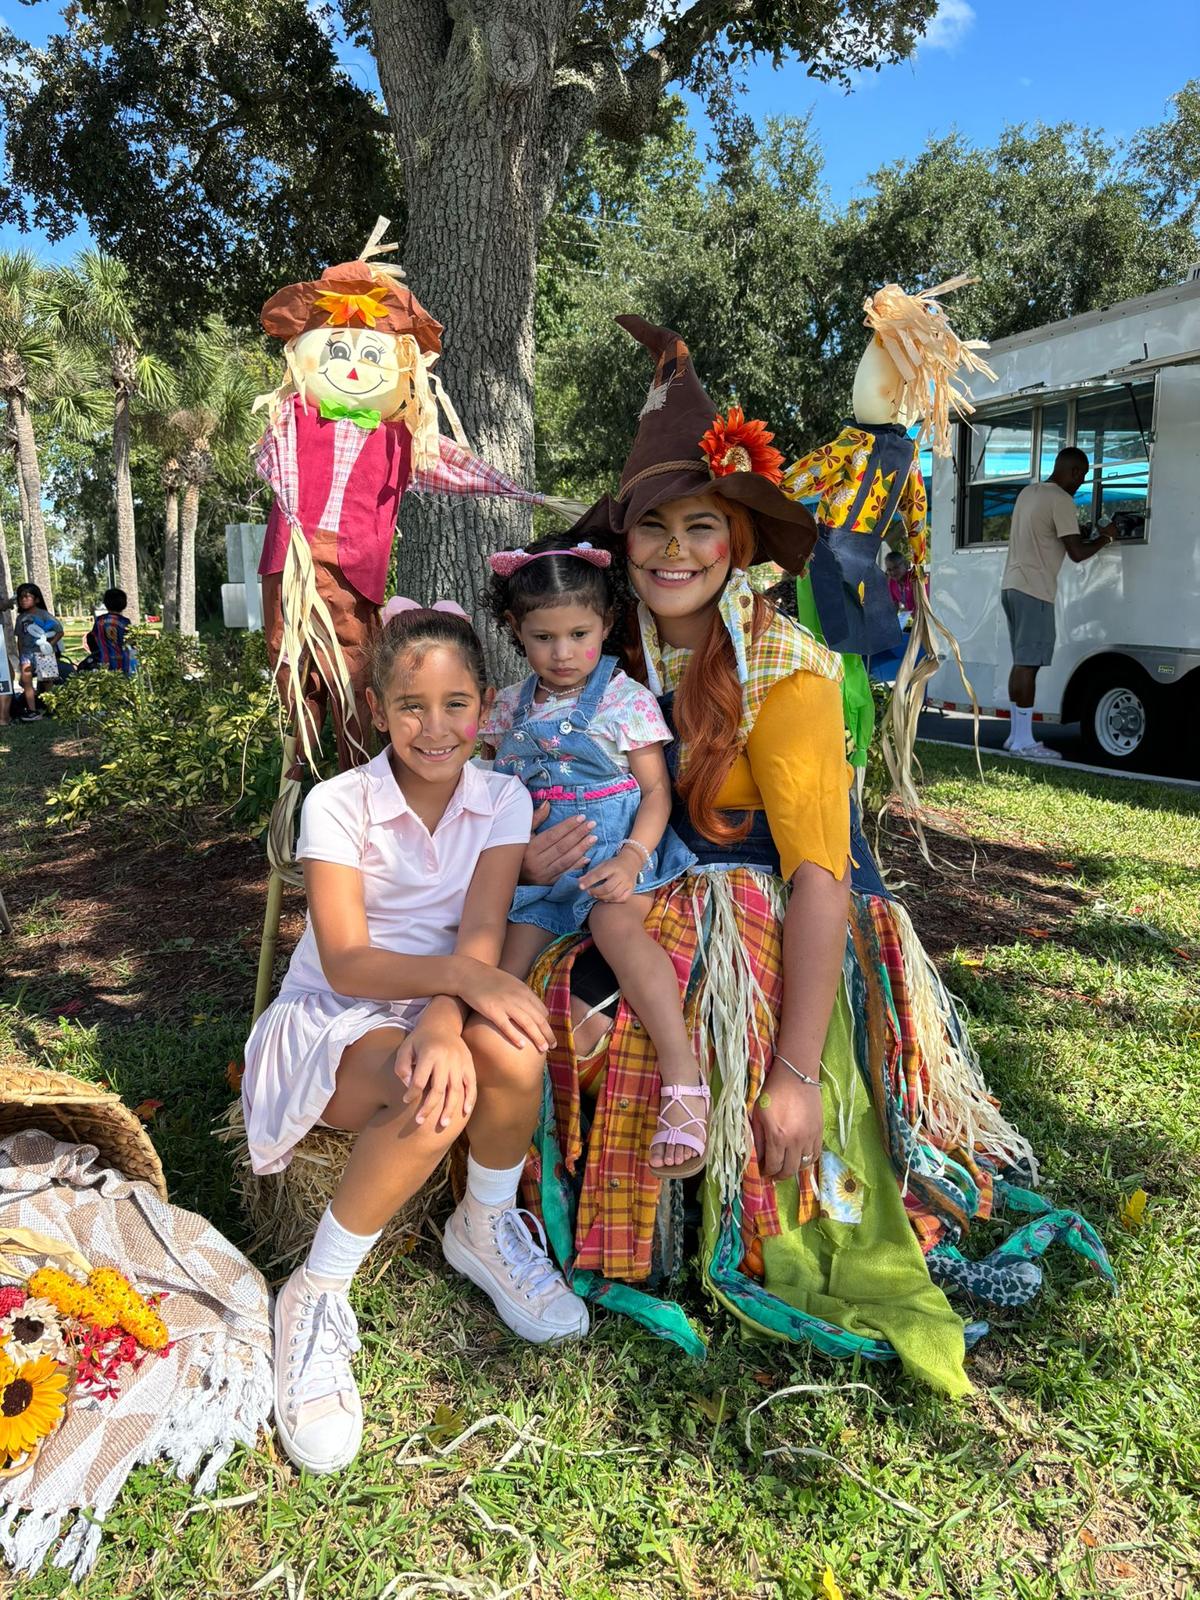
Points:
point(1030, 628)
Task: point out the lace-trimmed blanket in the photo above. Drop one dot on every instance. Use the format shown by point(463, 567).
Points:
point(190, 1407)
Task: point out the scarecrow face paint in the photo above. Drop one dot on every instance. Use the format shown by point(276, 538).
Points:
point(679, 559)
point(349, 366)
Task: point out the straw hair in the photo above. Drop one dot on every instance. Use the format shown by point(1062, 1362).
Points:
point(67, 1108)
point(283, 1208)
point(928, 355)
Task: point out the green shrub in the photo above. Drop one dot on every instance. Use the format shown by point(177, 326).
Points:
point(197, 727)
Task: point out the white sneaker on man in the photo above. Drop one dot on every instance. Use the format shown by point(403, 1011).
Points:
point(492, 1246)
point(318, 1413)
point(1036, 751)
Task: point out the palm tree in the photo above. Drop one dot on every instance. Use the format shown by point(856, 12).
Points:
point(214, 429)
point(93, 301)
point(29, 366)
point(172, 480)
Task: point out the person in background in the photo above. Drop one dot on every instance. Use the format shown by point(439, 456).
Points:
point(37, 638)
point(1045, 527)
point(900, 583)
point(106, 639)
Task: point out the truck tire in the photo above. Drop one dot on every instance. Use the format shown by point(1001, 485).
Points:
point(1122, 717)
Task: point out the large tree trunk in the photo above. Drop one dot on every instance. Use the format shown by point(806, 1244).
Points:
point(127, 573)
point(31, 477)
point(189, 515)
point(171, 560)
point(471, 139)
point(26, 535)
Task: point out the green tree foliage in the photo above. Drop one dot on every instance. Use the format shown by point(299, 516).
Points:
point(765, 278)
point(218, 149)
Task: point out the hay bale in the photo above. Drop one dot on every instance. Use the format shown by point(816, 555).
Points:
point(283, 1208)
point(78, 1112)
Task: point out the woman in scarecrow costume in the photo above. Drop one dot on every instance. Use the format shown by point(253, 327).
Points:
point(870, 488)
point(852, 1140)
point(352, 428)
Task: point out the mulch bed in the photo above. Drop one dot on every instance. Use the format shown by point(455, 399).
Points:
point(164, 928)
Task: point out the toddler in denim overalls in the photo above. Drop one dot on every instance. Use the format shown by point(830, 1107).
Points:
point(587, 741)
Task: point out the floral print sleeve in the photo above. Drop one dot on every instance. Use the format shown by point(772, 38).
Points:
point(500, 718)
point(629, 715)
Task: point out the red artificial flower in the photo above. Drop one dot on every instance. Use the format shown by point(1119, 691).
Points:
point(734, 445)
point(11, 1299)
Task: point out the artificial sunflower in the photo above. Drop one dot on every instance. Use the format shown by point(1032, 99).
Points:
point(32, 1330)
point(734, 445)
point(32, 1400)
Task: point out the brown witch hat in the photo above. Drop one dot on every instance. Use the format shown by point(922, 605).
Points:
point(683, 447)
point(351, 295)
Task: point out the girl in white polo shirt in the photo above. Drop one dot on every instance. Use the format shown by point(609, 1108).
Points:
point(388, 1019)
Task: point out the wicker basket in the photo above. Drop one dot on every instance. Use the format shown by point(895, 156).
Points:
point(283, 1208)
point(81, 1113)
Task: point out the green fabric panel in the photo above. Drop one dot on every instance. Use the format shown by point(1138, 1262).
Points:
point(869, 1278)
point(858, 703)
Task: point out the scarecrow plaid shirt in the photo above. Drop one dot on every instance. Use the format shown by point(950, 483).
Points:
point(835, 472)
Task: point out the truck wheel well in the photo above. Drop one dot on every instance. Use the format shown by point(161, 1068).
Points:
point(1087, 670)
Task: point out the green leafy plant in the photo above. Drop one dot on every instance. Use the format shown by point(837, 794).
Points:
point(194, 729)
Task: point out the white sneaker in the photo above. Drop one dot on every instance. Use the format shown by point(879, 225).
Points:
point(492, 1246)
point(1036, 752)
point(318, 1414)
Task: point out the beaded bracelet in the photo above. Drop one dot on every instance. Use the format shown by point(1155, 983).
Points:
point(637, 845)
point(803, 1076)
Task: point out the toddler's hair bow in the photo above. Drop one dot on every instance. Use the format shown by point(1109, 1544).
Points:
point(505, 562)
point(399, 604)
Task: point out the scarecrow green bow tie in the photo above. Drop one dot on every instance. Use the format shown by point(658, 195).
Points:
point(361, 416)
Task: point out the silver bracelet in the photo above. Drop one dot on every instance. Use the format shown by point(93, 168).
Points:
point(803, 1076)
point(637, 845)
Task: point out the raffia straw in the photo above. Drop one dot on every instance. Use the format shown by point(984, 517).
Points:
point(308, 633)
point(954, 1101)
point(928, 355)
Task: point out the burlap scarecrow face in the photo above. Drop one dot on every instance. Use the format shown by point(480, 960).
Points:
point(356, 367)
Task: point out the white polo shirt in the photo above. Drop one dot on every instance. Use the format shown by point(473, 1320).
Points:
point(414, 883)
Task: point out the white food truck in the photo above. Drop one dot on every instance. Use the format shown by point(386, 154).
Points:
point(1124, 385)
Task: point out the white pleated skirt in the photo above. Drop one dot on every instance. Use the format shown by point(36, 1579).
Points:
point(292, 1059)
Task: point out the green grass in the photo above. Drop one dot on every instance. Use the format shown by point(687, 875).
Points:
point(1073, 1471)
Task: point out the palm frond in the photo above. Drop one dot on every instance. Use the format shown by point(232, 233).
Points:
point(156, 382)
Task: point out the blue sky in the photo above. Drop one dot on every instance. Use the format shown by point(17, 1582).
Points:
point(984, 63)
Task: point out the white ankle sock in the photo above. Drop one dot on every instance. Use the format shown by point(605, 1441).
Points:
point(493, 1186)
point(1022, 726)
point(336, 1253)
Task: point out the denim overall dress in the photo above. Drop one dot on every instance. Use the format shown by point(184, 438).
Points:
point(549, 747)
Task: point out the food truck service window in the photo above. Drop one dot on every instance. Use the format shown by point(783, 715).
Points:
point(1005, 450)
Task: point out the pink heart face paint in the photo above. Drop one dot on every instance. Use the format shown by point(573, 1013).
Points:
point(679, 557)
point(590, 654)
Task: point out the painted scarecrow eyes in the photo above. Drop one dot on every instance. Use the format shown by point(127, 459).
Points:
point(371, 354)
point(338, 350)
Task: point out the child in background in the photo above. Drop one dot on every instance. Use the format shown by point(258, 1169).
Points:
point(106, 638)
point(587, 740)
point(388, 1018)
point(37, 637)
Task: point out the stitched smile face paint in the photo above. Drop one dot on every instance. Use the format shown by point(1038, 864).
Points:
point(679, 557)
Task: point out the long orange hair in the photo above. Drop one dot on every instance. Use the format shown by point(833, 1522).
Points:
point(708, 703)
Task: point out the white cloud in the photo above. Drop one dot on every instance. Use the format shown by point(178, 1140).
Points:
point(950, 26)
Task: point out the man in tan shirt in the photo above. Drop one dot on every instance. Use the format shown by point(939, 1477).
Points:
point(1044, 529)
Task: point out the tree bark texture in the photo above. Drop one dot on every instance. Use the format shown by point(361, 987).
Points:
point(31, 482)
point(469, 104)
point(188, 517)
point(171, 560)
point(26, 535)
point(127, 573)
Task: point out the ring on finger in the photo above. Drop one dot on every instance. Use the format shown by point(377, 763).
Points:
point(806, 1161)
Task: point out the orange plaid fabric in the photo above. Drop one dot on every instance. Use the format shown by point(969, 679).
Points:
point(619, 1198)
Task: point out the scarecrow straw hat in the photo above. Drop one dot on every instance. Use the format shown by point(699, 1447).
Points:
point(79, 1113)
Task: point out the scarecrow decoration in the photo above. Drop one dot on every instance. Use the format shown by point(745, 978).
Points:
point(870, 488)
point(352, 428)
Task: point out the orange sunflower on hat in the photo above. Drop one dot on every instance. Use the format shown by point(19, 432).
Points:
point(734, 445)
point(32, 1400)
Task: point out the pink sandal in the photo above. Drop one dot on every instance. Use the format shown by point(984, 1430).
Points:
point(671, 1137)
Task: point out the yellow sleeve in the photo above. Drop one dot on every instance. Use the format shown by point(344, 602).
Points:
point(814, 473)
point(797, 754)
